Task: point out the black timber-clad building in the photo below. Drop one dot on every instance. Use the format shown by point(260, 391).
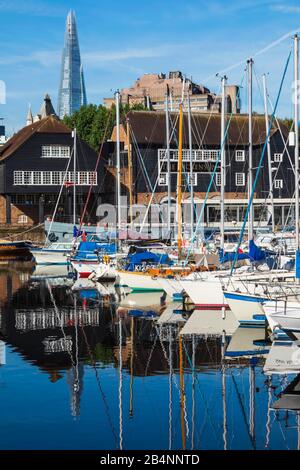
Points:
point(148, 149)
point(36, 164)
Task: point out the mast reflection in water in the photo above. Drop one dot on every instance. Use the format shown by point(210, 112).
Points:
point(77, 371)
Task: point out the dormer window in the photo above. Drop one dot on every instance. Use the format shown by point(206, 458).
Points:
point(55, 151)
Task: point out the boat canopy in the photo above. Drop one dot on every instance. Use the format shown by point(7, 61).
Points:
point(88, 250)
point(146, 258)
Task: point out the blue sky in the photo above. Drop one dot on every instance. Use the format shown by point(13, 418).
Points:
point(122, 40)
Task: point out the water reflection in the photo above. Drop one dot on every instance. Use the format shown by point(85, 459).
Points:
point(141, 372)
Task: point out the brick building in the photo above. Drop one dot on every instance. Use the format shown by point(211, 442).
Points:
point(150, 90)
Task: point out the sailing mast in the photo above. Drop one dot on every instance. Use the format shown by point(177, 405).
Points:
point(182, 393)
point(168, 161)
point(131, 367)
point(191, 161)
point(118, 163)
point(120, 387)
point(179, 183)
point(223, 169)
point(223, 348)
point(296, 120)
point(130, 179)
point(250, 167)
point(271, 195)
point(170, 386)
point(74, 173)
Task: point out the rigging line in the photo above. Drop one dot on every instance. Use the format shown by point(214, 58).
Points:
point(212, 113)
point(95, 169)
point(58, 198)
point(259, 166)
point(106, 407)
point(200, 391)
point(207, 193)
point(149, 183)
point(149, 141)
point(261, 51)
point(285, 142)
point(120, 385)
point(59, 318)
point(170, 387)
point(243, 409)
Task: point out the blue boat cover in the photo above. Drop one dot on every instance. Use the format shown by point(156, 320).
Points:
point(142, 313)
point(255, 254)
point(86, 250)
point(148, 258)
point(88, 294)
point(225, 257)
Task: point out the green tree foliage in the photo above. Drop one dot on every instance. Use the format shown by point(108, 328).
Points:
point(288, 122)
point(92, 120)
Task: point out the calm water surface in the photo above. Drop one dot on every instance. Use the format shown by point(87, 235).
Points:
point(79, 371)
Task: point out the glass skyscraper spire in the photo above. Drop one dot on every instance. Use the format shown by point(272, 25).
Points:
point(72, 92)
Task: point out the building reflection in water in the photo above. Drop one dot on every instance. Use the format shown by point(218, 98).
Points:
point(60, 331)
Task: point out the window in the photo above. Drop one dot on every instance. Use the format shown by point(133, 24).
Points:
point(197, 155)
point(218, 179)
point(54, 178)
point(240, 155)
point(163, 179)
point(46, 176)
point(82, 178)
point(240, 179)
point(37, 178)
point(278, 184)
point(92, 178)
point(22, 219)
point(194, 179)
point(278, 157)
point(46, 151)
point(18, 177)
point(55, 151)
point(27, 177)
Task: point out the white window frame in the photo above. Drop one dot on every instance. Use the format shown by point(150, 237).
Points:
point(242, 176)
point(278, 157)
point(46, 178)
point(54, 178)
point(218, 179)
point(240, 155)
point(163, 179)
point(56, 151)
point(278, 184)
point(18, 177)
point(195, 175)
point(22, 219)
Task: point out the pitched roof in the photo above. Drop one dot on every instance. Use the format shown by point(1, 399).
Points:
point(49, 125)
point(47, 107)
point(148, 128)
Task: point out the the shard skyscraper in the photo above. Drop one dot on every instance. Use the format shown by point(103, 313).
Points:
point(72, 92)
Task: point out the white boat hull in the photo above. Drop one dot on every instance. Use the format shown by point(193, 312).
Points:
point(206, 293)
point(247, 308)
point(45, 257)
point(283, 315)
point(84, 269)
point(138, 282)
point(172, 287)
